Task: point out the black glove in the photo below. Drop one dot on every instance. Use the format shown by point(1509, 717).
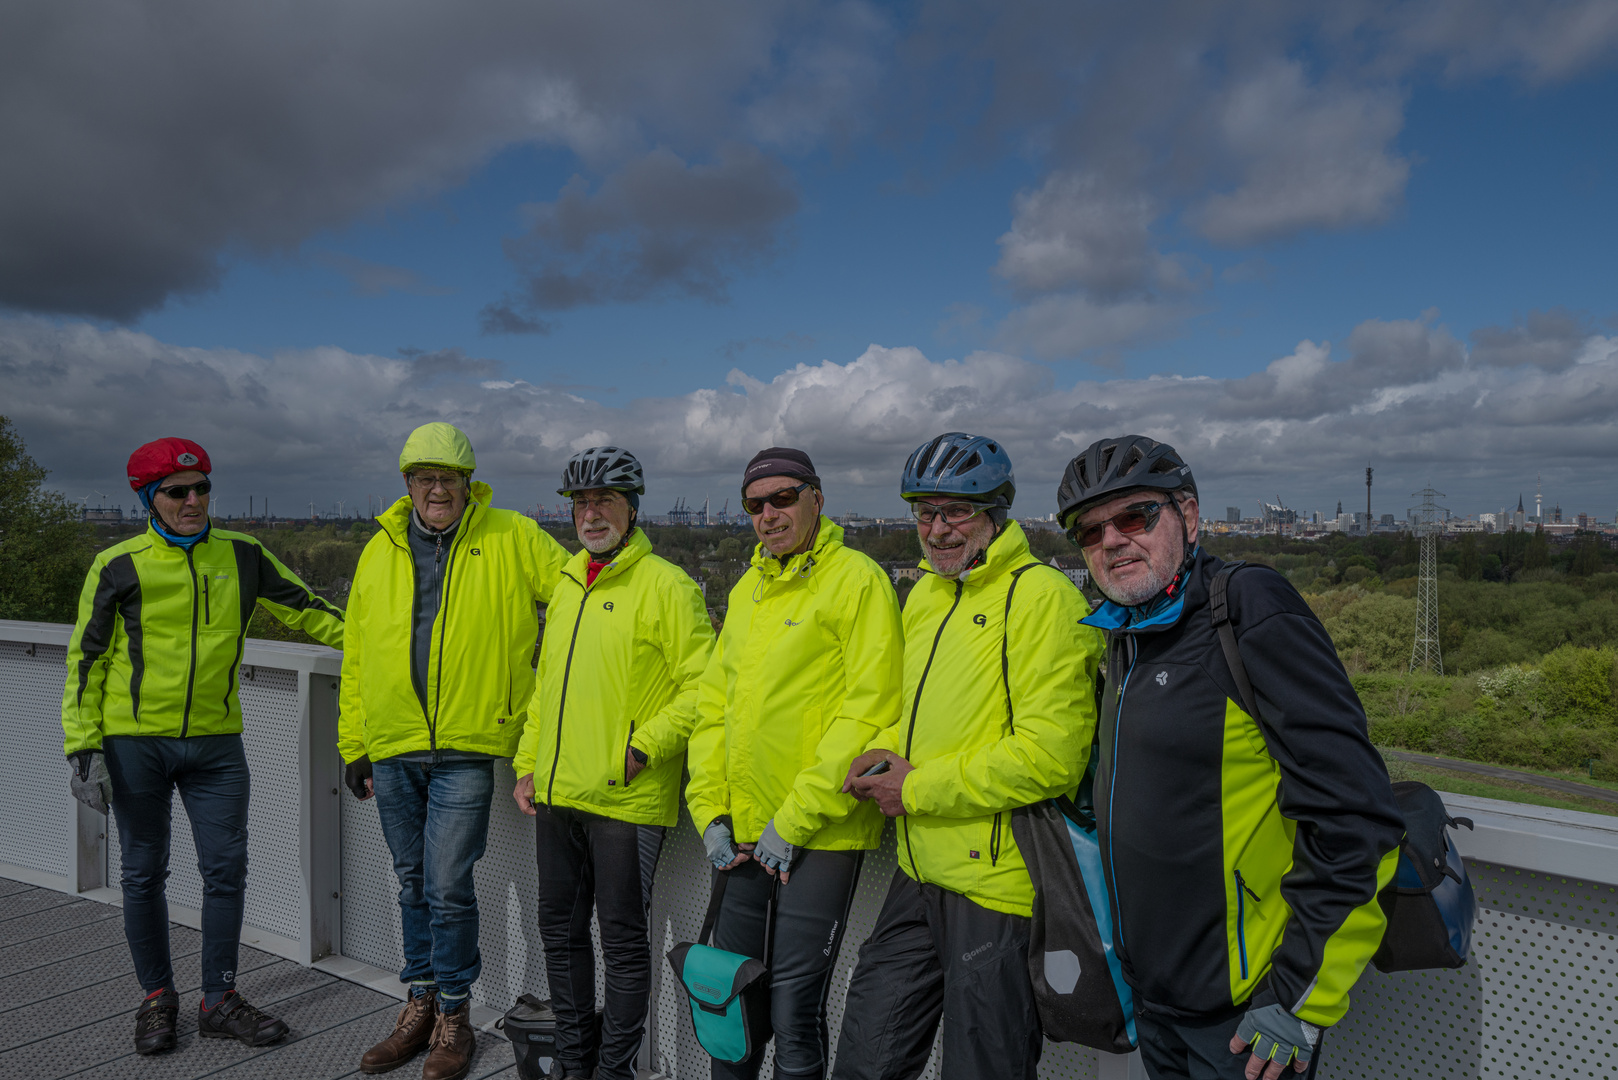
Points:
point(355, 773)
point(89, 780)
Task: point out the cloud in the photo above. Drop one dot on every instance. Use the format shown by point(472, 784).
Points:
point(658, 227)
point(502, 317)
point(146, 140)
point(1549, 339)
point(378, 279)
point(325, 424)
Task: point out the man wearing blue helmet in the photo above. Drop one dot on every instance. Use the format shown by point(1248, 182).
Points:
point(998, 713)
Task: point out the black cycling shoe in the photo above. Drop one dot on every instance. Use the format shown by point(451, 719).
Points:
point(154, 1023)
point(234, 1018)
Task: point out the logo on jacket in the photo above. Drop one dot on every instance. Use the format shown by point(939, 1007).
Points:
point(606, 606)
point(968, 957)
point(791, 623)
point(1162, 678)
point(980, 620)
point(477, 551)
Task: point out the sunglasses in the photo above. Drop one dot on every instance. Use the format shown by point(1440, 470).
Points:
point(178, 492)
point(600, 502)
point(953, 513)
point(1142, 517)
point(779, 499)
point(428, 481)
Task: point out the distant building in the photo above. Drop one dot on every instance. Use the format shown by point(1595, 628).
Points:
point(1073, 566)
point(1387, 519)
point(1233, 515)
point(906, 572)
point(1520, 520)
point(103, 515)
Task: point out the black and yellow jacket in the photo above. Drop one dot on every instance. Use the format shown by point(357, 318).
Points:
point(1242, 856)
point(160, 631)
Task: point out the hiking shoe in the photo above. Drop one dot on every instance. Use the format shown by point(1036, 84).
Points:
point(411, 1033)
point(234, 1018)
point(154, 1022)
point(449, 1054)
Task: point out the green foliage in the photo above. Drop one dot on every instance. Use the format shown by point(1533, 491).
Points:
point(45, 551)
point(1372, 630)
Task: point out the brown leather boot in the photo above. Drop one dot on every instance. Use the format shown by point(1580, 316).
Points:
point(449, 1055)
point(411, 1032)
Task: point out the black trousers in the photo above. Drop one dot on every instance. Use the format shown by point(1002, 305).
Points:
point(210, 772)
point(811, 913)
point(935, 955)
point(587, 862)
point(1199, 1049)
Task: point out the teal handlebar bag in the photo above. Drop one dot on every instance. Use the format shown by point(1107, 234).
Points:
point(729, 992)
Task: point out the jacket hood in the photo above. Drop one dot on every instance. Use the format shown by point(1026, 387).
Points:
point(827, 540)
point(1008, 551)
point(396, 518)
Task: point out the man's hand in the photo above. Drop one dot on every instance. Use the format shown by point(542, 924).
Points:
point(524, 794)
point(718, 841)
point(634, 761)
point(860, 765)
point(1277, 1038)
point(90, 781)
point(886, 788)
point(774, 853)
point(357, 777)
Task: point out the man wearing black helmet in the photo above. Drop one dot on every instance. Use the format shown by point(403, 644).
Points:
point(600, 758)
point(1243, 853)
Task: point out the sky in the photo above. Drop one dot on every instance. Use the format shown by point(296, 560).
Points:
point(1292, 240)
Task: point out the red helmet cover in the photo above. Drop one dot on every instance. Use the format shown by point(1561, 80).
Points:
point(164, 457)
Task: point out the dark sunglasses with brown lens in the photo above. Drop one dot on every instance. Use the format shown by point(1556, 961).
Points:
point(1139, 518)
point(178, 492)
point(779, 499)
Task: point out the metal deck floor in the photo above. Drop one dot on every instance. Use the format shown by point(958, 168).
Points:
point(68, 997)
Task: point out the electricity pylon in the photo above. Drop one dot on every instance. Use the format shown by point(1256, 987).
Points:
point(1425, 520)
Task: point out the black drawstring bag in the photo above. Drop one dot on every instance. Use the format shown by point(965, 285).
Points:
point(1429, 903)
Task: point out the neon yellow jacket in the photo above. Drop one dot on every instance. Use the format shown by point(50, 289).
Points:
point(480, 672)
point(806, 672)
point(619, 667)
point(975, 762)
point(159, 637)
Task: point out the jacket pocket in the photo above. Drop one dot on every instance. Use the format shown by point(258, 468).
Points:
point(1245, 898)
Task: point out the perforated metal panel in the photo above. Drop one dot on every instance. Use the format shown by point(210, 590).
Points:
point(1536, 999)
point(272, 720)
point(33, 775)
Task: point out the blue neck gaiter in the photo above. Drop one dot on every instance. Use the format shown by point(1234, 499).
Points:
point(184, 543)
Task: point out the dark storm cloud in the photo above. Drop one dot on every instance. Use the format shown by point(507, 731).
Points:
point(657, 227)
point(1548, 339)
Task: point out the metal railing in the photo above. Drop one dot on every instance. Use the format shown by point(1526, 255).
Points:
point(1537, 998)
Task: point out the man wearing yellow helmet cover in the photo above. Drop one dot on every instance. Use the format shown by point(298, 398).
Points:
point(437, 673)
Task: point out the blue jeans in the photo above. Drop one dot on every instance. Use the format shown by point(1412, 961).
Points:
point(211, 773)
point(435, 817)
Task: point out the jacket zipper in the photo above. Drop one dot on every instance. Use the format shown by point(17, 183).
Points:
point(1242, 892)
point(627, 743)
point(915, 707)
point(443, 626)
point(1112, 788)
point(994, 841)
point(191, 679)
point(561, 706)
point(207, 608)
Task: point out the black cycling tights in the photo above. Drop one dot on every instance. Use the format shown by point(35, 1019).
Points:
point(811, 914)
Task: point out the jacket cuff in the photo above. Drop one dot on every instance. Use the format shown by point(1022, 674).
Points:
point(652, 759)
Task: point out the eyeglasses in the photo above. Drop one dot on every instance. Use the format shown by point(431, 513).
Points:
point(958, 513)
point(779, 499)
point(428, 481)
point(598, 502)
point(178, 492)
point(1139, 518)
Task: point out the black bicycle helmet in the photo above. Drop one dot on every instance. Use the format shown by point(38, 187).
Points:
point(1114, 466)
point(956, 463)
point(602, 467)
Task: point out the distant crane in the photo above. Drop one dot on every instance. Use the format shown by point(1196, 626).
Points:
point(681, 513)
point(705, 511)
point(723, 517)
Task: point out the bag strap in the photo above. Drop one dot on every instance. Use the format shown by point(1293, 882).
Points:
point(715, 899)
point(1005, 633)
point(1219, 608)
point(769, 919)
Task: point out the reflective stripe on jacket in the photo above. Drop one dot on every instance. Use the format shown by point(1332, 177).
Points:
point(806, 672)
point(619, 667)
point(480, 674)
point(975, 760)
point(1240, 853)
point(159, 636)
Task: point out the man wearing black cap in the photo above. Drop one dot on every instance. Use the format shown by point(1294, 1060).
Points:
point(807, 671)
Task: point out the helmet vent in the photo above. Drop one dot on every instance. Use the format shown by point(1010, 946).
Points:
point(1165, 465)
point(970, 463)
point(1135, 457)
point(1106, 459)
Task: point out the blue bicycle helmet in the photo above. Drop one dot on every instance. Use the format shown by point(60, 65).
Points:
point(956, 463)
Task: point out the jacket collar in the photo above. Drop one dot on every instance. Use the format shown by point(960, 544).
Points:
point(827, 541)
point(1008, 551)
point(638, 546)
point(396, 518)
point(163, 543)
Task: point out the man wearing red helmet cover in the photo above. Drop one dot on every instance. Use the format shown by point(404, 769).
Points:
point(151, 705)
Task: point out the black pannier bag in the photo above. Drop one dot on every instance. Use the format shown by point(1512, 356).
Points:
point(1429, 903)
point(531, 1026)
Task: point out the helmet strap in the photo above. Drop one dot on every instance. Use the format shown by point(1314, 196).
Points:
point(1188, 556)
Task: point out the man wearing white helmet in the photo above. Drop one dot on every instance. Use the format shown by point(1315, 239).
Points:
point(437, 673)
point(601, 756)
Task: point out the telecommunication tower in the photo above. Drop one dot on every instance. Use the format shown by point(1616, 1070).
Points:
point(1425, 519)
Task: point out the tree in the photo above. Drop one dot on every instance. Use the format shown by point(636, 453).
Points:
point(1586, 557)
point(45, 550)
point(1470, 564)
point(1537, 555)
